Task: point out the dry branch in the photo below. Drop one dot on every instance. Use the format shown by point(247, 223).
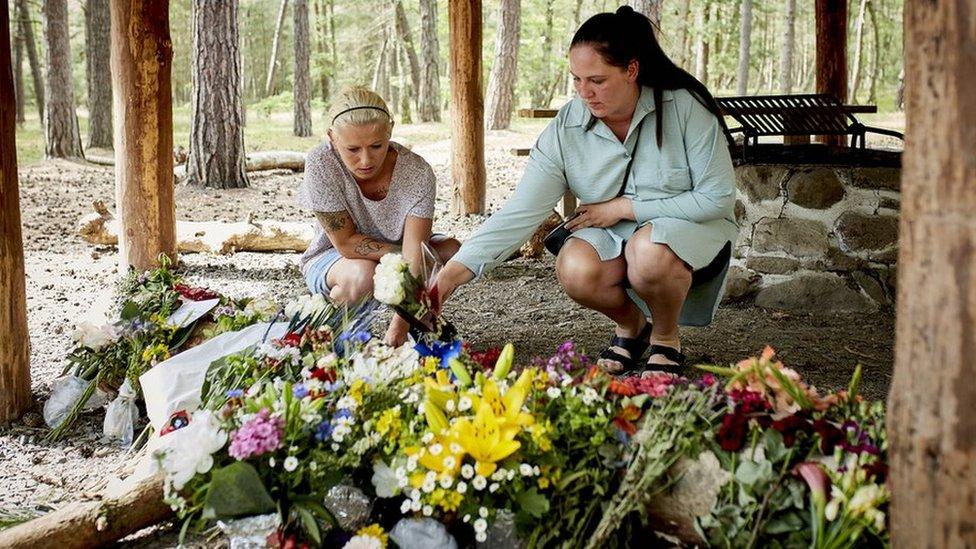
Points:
point(101, 228)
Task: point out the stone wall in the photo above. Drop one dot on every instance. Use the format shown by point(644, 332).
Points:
point(816, 238)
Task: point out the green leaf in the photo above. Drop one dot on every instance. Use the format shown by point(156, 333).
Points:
point(750, 473)
point(129, 311)
point(782, 523)
point(308, 523)
point(533, 503)
point(772, 441)
point(236, 490)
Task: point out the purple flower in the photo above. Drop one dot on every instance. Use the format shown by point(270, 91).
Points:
point(235, 393)
point(324, 431)
point(299, 391)
point(342, 413)
point(258, 435)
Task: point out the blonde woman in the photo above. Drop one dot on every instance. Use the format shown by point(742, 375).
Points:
point(371, 196)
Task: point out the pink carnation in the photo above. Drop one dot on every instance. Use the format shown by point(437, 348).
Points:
point(259, 435)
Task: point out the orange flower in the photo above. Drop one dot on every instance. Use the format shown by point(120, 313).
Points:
point(622, 388)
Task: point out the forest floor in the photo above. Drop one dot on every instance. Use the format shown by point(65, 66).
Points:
point(520, 302)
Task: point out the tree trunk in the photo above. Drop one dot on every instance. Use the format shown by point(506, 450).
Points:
point(685, 41)
point(406, 45)
point(269, 84)
point(786, 51)
point(831, 54)
point(701, 50)
point(858, 45)
point(98, 47)
point(745, 36)
point(577, 8)
point(467, 108)
point(217, 133)
point(61, 136)
point(406, 87)
point(142, 58)
point(430, 94)
point(540, 94)
point(15, 381)
point(27, 31)
point(501, 82)
point(381, 84)
point(875, 55)
point(650, 8)
point(18, 59)
point(393, 69)
point(930, 422)
point(320, 45)
point(301, 89)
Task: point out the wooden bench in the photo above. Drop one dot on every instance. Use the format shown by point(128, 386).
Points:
point(796, 118)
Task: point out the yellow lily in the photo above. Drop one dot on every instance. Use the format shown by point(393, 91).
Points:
point(508, 408)
point(439, 389)
point(485, 440)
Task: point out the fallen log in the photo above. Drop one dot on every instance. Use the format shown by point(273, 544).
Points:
point(254, 162)
point(135, 504)
point(101, 228)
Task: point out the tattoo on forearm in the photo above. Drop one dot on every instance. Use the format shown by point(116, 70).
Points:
point(332, 221)
point(368, 246)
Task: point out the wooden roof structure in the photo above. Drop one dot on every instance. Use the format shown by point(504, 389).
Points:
point(933, 449)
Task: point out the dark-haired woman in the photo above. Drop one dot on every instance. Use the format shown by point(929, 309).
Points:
point(655, 246)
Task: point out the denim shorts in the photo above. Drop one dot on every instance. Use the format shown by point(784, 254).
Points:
point(318, 269)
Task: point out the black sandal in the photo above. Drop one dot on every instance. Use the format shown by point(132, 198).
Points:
point(670, 353)
point(633, 345)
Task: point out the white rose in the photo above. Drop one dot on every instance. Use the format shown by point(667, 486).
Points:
point(95, 336)
point(384, 480)
point(190, 449)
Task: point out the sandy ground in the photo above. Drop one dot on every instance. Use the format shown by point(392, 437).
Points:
point(519, 302)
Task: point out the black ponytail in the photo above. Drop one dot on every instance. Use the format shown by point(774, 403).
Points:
point(627, 36)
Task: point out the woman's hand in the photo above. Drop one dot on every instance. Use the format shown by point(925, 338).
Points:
point(602, 214)
point(452, 275)
point(396, 334)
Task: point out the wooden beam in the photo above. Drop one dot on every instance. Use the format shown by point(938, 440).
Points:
point(467, 108)
point(15, 395)
point(832, 54)
point(142, 57)
point(931, 424)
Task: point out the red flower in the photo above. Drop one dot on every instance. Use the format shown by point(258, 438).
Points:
point(487, 358)
point(622, 387)
point(195, 294)
point(830, 435)
point(790, 427)
point(292, 339)
point(625, 425)
point(323, 375)
point(731, 435)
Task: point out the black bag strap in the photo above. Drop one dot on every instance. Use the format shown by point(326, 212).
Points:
point(633, 155)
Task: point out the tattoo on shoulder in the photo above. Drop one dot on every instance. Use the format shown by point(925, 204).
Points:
point(368, 246)
point(333, 221)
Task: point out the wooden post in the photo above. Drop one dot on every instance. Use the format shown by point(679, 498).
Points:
point(467, 108)
point(142, 56)
point(832, 55)
point(15, 383)
point(931, 421)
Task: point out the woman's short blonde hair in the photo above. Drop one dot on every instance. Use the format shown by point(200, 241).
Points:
point(357, 106)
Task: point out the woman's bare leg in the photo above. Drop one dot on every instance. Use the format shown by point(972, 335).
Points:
point(598, 285)
point(350, 280)
point(662, 280)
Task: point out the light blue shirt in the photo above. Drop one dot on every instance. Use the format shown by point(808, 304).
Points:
point(685, 188)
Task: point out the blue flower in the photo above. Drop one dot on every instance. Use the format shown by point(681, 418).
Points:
point(443, 351)
point(358, 336)
point(235, 393)
point(324, 431)
point(332, 386)
point(342, 413)
point(299, 391)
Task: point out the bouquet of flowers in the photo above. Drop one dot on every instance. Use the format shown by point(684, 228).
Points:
point(412, 297)
point(158, 316)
